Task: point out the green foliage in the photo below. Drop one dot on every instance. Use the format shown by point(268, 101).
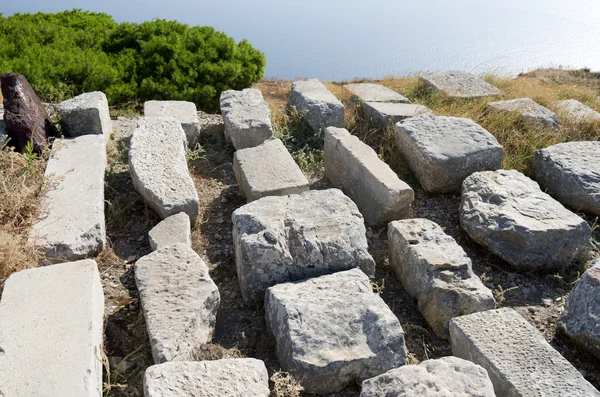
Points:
point(76, 51)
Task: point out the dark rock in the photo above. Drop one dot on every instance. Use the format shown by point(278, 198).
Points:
point(24, 115)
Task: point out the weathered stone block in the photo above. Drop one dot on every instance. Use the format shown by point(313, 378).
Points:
point(267, 170)
point(569, 172)
point(530, 111)
point(333, 330)
point(447, 376)
point(51, 332)
point(24, 116)
point(367, 92)
point(509, 214)
point(247, 118)
point(174, 229)
point(460, 84)
point(443, 151)
point(85, 114)
point(211, 124)
point(72, 223)
point(159, 170)
point(437, 272)
point(579, 320)
point(577, 111)
point(355, 168)
point(182, 111)
point(317, 105)
point(516, 356)
point(179, 300)
point(286, 238)
point(231, 377)
point(383, 114)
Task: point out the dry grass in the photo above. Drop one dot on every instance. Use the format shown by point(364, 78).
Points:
point(519, 139)
point(21, 189)
point(284, 385)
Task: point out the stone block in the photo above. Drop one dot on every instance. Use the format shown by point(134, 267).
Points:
point(516, 356)
point(447, 376)
point(231, 377)
point(286, 238)
point(383, 114)
point(172, 230)
point(85, 114)
point(333, 330)
point(267, 170)
point(211, 124)
point(577, 111)
point(158, 166)
point(443, 151)
point(459, 84)
point(51, 332)
point(507, 212)
point(437, 272)
point(182, 111)
point(247, 118)
point(72, 224)
point(367, 92)
point(179, 300)
point(530, 111)
point(355, 168)
point(319, 107)
point(579, 320)
point(569, 172)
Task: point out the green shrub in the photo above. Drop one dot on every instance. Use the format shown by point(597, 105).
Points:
point(77, 51)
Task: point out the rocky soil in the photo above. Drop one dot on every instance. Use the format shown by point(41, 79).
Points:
point(241, 330)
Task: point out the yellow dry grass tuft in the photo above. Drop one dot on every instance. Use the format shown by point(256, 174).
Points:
point(21, 189)
point(284, 385)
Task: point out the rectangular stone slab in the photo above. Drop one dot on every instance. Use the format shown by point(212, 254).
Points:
point(72, 223)
point(182, 111)
point(267, 170)
point(229, 377)
point(436, 271)
point(179, 300)
point(355, 168)
point(576, 110)
point(460, 84)
point(246, 116)
point(286, 238)
point(51, 332)
point(383, 114)
point(368, 92)
point(85, 114)
point(319, 107)
point(443, 151)
point(517, 357)
point(529, 110)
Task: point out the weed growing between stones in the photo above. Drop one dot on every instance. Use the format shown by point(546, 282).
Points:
point(284, 385)
point(21, 189)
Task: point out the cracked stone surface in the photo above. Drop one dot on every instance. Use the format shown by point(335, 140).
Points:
point(442, 151)
point(231, 377)
point(158, 166)
point(179, 301)
point(286, 238)
point(247, 117)
point(531, 111)
point(516, 356)
point(580, 319)
point(333, 330)
point(508, 213)
point(317, 105)
point(570, 172)
point(460, 84)
point(447, 377)
point(436, 271)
